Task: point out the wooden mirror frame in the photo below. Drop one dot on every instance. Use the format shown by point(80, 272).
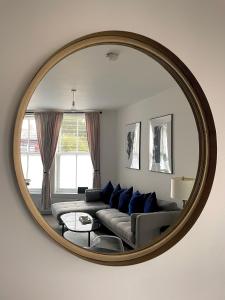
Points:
point(207, 144)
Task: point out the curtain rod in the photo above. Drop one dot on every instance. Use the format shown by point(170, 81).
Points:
point(64, 111)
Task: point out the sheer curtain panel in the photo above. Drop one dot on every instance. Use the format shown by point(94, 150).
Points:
point(48, 126)
point(93, 136)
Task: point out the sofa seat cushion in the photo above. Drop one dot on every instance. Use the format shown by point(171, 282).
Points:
point(112, 215)
point(75, 206)
point(123, 229)
point(118, 222)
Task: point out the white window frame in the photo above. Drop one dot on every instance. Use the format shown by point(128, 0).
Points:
point(55, 168)
point(57, 189)
point(28, 154)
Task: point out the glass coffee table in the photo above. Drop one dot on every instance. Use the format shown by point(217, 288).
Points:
point(79, 222)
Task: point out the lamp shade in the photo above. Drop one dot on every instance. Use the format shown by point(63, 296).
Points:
point(181, 187)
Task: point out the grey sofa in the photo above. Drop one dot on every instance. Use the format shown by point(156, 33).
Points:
point(91, 205)
point(136, 230)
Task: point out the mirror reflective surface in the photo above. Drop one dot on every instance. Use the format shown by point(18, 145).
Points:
point(119, 145)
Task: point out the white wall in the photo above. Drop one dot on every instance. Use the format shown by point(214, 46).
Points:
point(32, 265)
point(185, 141)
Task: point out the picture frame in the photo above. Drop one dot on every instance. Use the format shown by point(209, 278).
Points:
point(161, 144)
point(132, 145)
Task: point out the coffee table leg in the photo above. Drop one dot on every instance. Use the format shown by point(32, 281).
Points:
point(89, 238)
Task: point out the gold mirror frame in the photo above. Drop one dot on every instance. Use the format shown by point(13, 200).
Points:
point(207, 144)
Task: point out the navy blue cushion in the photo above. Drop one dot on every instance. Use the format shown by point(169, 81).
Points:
point(147, 195)
point(106, 192)
point(151, 203)
point(124, 200)
point(114, 199)
point(137, 202)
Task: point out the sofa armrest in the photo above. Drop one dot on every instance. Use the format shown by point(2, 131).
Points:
point(92, 195)
point(146, 226)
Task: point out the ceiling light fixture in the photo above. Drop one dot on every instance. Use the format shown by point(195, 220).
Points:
point(73, 101)
point(112, 55)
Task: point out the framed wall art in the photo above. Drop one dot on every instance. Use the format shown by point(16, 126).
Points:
point(132, 145)
point(160, 144)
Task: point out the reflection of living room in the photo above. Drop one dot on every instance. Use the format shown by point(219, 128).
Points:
point(125, 91)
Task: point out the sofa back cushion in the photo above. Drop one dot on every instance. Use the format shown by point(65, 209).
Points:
point(114, 199)
point(124, 200)
point(136, 204)
point(167, 205)
point(106, 192)
point(92, 195)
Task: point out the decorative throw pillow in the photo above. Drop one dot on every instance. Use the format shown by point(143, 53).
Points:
point(106, 192)
point(114, 199)
point(137, 202)
point(147, 195)
point(151, 203)
point(124, 200)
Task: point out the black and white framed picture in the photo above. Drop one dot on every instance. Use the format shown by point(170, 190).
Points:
point(132, 145)
point(160, 144)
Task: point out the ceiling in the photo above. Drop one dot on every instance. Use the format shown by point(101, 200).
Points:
point(101, 84)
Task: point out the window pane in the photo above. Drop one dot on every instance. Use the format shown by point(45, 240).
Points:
point(84, 170)
point(24, 164)
point(24, 132)
point(29, 141)
point(67, 171)
point(82, 134)
point(24, 136)
point(74, 167)
point(35, 172)
point(73, 136)
point(33, 145)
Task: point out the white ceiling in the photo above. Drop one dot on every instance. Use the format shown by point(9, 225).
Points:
point(101, 84)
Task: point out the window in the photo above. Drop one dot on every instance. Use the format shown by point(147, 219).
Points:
point(73, 162)
point(72, 166)
point(30, 154)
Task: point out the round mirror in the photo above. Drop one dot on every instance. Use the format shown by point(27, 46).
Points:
point(115, 148)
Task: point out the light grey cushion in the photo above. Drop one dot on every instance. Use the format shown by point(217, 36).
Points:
point(64, 207)
point(167, 205)
point(92, 195)
point(112, 215)
point(118, 222)
point(123, 229)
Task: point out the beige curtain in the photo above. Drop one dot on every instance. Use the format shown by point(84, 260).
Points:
point(48, 126)
point(93, 136)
